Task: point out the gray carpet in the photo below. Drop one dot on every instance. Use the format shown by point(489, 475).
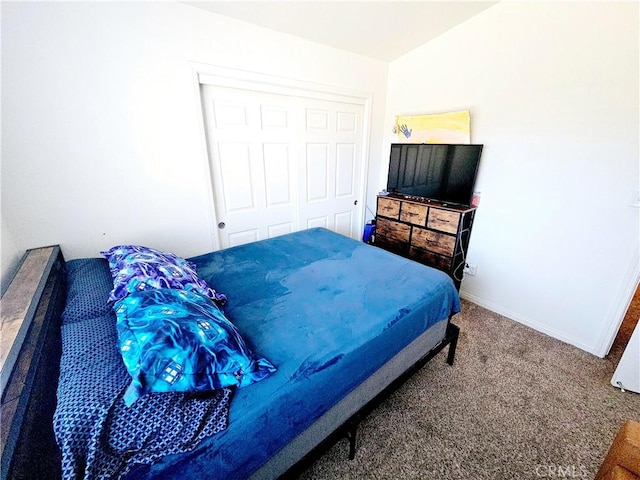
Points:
point(517, 404)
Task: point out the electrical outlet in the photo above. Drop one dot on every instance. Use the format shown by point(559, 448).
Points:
point(470, 269)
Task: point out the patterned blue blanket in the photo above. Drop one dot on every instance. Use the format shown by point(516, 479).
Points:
point(98, 435)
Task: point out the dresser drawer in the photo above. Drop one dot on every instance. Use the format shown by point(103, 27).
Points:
point(388, 207)
point(392, 245)
point(443, 220)
point(432, 259)
point(433, 241)
point(394, 230)
point(413, 213)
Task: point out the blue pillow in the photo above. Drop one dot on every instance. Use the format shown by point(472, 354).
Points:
point(136, 268)
point(179, 341)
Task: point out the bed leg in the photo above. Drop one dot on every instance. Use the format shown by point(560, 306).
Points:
point(452, 332)
point(351, 435)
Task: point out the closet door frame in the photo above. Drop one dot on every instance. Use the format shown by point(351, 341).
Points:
point(205, 74)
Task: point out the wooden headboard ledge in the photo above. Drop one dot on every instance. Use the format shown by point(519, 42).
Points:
point(30, 362)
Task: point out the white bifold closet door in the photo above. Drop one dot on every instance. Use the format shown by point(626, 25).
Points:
point(282, 163)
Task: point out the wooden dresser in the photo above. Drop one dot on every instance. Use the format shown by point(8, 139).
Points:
point(425, 231)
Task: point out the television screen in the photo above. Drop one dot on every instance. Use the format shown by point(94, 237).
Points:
point(442, 172)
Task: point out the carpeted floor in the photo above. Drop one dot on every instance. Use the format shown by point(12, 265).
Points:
point(517, 404)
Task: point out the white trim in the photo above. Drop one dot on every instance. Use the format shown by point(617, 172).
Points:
point(227, 77)
point(205, 74)
point(211, 217)
point(527, 321)
point(366, 126)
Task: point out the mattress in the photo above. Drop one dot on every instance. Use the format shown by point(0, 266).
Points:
point(328, 312)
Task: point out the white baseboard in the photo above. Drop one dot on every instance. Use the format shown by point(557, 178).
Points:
point(528, 322)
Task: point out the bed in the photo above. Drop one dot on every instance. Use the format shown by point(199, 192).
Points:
point(343, 322)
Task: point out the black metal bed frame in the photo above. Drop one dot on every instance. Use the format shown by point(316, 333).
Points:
point(349, 428)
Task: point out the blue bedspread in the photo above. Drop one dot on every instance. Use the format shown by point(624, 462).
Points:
point(327, 311)
point(98, 435)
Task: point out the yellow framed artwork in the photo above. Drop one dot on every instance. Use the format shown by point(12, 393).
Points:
point(452, 127)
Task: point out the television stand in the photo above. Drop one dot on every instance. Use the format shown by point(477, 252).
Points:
point(427, 231)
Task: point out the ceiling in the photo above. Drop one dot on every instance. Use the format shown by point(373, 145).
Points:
point(384, 30)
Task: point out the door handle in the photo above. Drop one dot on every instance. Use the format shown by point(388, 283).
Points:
point(221, 225)
point(355, 202)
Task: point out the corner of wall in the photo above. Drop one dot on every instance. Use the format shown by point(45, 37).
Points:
point(619, 307)
point(11, 256)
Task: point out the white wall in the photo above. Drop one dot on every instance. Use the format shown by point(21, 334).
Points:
point(10, 256)
point(101, 140)
point(553, 93)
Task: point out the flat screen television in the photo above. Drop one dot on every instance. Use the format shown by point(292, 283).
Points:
point(441, 172)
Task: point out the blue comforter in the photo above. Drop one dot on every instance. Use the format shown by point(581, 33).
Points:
point(327, 311)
